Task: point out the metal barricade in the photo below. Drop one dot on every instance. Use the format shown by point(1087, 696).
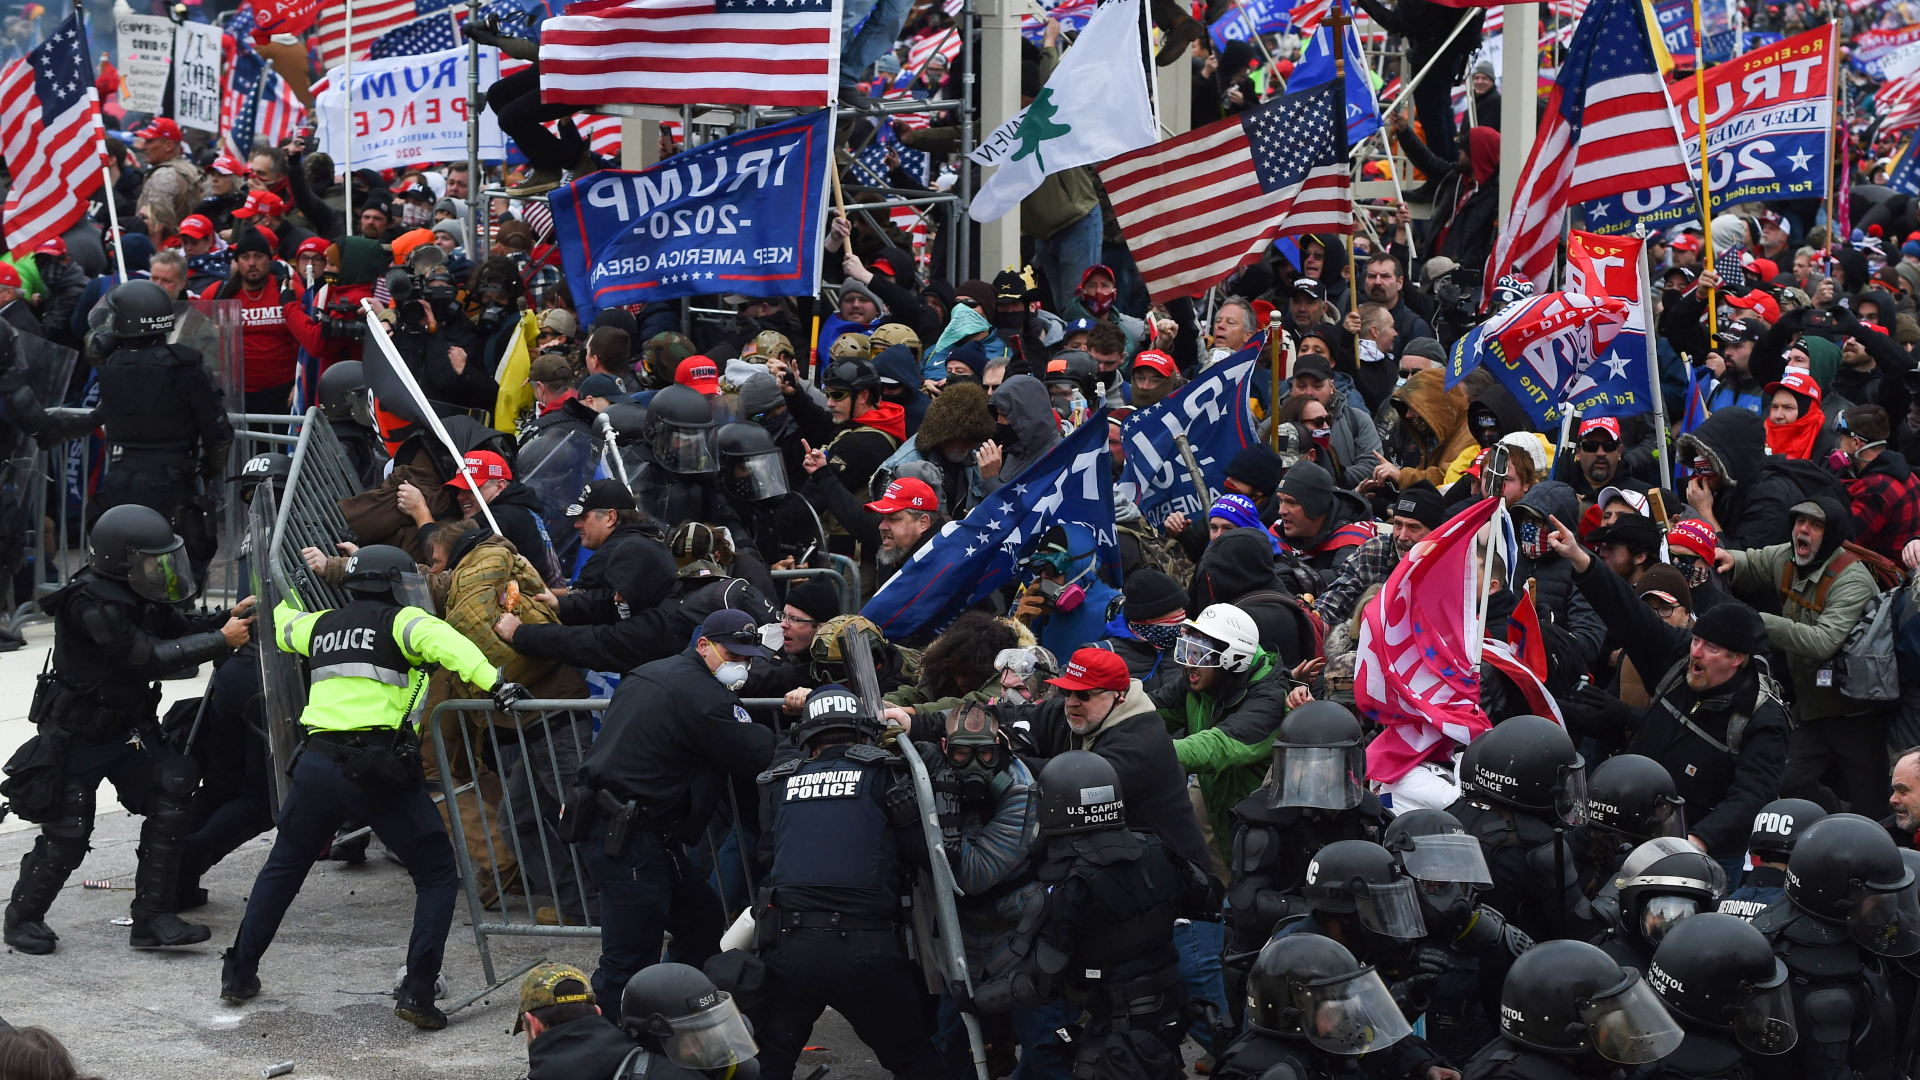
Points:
point(500, 789)
point(846, 581)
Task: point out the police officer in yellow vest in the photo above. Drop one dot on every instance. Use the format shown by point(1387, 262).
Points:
point(361, 760)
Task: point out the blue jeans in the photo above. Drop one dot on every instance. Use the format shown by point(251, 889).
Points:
point(406, 822)
point(1041, 1055)
point(1065, 255)
point(858, 51)
point(1201, 945)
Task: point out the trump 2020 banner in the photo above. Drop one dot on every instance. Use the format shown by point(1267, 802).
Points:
point(1213, 413)
point(407, 110)
point(741, 214)
point(1540, 346)
point(1767, 118)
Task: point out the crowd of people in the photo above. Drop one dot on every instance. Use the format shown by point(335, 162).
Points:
point(1685, 844)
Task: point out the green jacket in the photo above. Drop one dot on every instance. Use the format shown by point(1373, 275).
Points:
point(354, 704)
point(1225, 736)
point(1809, 639)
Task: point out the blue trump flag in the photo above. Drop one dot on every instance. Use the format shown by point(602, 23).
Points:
point(741, 214)
point(1214, 415)
point(1071, 484)
point(1905, 177)
point(1316, 68)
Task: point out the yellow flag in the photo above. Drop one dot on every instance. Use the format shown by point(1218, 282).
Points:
point(515, 375)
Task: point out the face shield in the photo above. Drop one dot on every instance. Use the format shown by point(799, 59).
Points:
point(1350, 1014)
point(1452, 857)
point(761, 476)
point(1630, 1025)
point(1326, 777)
point(711, 1039)
point(684, 450)
point(1886, 922)
point(1659, 913)
point(1493, 471)
point(1195, 650)
point(1764, 1023)
point(360, 404)
point(1019, 673)
point(412, 591)
point(1570, 795)
point(1392, 909)
point(164, 576)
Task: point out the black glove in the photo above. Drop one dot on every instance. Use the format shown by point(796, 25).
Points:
point(505, 694)
point(287, 295)
point(280, 272)
point(1414, 994)
point(1592, 709)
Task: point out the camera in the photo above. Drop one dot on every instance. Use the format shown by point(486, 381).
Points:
point(342, 319)
point(1456, 302)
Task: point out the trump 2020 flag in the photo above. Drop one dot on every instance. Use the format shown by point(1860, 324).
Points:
point(1214, 415)
point(1071, 484)
point(1620, 382)
point(1421, 639)
point(741, 214)
point(1539, 346)
point(1093, 107)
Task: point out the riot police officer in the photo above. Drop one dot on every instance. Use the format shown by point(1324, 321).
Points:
point(361, 760)
point(1850, 907)
point(1311, 1006)
point(117, 628)
point(1664, 881)
point(1461, 965)
point(1105, 932)
point(1630, 800)
point(346, 400)
point(165, 421)
point(753, 480)
point(1522, 787)
point(1719, 978)
point(828, 931)
point(686, 1027)
point(1774, 829)
point(1568, 1010)
point(1278, 828)
point(26, 371)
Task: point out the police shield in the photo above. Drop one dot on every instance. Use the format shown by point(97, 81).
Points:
point(44, 368)
point(283, 681)
point(555, 464)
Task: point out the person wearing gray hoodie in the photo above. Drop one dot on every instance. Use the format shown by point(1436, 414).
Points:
point(1025, 428)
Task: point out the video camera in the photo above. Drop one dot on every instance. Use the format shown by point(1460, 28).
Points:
point(1456, 296)
point(415, 291)
point(343, 319)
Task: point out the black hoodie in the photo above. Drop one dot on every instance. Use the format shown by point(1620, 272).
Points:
point(578, 1050)
point(1751, 507)
point(1238, 564)
point(1506, 410)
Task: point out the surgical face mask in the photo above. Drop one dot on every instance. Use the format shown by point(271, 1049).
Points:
point(732, 674)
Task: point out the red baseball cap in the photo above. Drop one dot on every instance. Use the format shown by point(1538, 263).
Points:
point(228, 165)
point(699, 373)
point(485, 465)
point(313, 245)
point(1799, 381)
point(906, 493)
point(1607, 424)
point(162, 128)
point(196, 226)
point(1760, 303)
point(9, 275)
point(261, 202)
point(1686, 241)
point(53, 245)
point(1093, 669)
point(1693, 536)
point(1155, 360)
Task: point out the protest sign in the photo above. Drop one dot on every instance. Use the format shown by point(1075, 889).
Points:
point(407, 110)
point(196, 76)
point(146, 56)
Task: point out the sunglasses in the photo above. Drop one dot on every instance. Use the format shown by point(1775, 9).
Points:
point(1085, 695)
point(839, 395)
point(1598, 446)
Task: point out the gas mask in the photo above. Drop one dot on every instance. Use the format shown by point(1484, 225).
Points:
point(975, 753)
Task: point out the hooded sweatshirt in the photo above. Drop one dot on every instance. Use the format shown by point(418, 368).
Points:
point(1495, 401)
point(1443, 414)
point(1752, 503)
point(1238, 564)
point(1061, 632)
point(897, 363)
point(1026, 415)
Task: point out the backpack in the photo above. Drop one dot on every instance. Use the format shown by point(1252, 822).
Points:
point(1865, 668)
point(1159, 551)
point(1311, 626)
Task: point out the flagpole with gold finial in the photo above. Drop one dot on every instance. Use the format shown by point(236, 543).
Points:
point(1706, 201)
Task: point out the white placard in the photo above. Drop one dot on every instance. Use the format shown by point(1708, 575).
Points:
point(408, 110)
point(146, 55)
point(196, 76)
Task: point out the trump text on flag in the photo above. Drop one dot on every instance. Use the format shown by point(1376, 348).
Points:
point(408, 110)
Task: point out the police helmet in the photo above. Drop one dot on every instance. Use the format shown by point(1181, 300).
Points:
point(1448, 863)
point(1080, 792)
point(751, 466)
point(834, 710)
point(345, 395)
point(1718, 970)
point(260, 468)
point(378, 568)
point(678, 1010)
point(852, 374)
point(1845, 869)
point(1306, 986)
point(629, 422)
point(1319, 758)
point(1527, 763)
point(1568, 997)
point(1635, 797)
point(1664, 881)
point(135, 544)
point(1362, 878)
point(1778, 824)
point(141, 311)
point(681, 430)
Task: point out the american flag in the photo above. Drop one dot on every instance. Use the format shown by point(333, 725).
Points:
point(251, 108)
point(945, 44)
point(689, 52)
point(601, 132)
point(1196, 207)
point(1306, 18)
point(1609, 128)
point(1898, 103)
point(917, 121)
point(50, 136)
point(438, 31)
point(372, 20)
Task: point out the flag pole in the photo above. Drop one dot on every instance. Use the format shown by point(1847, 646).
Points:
point(1653, 365)
point(1837, 163)
point(473, 134)
point(100, 142)
point(1275, 334)
point(1339, 19)
point(1705, 196)
point(346, 141)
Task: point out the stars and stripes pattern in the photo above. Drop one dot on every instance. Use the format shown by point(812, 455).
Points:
point(1609, 128)
point(431, 34)
point(601, 132)
point(251, 109)
point(1897, 103)
point(945, 44)
point(690, 52)
point(1306, 17)
point(1196, 207)
point(1072, 15)
point(916, 121)
point(372, 20)
point(50, 136)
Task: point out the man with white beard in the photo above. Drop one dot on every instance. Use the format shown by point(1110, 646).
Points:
point(909, 515)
